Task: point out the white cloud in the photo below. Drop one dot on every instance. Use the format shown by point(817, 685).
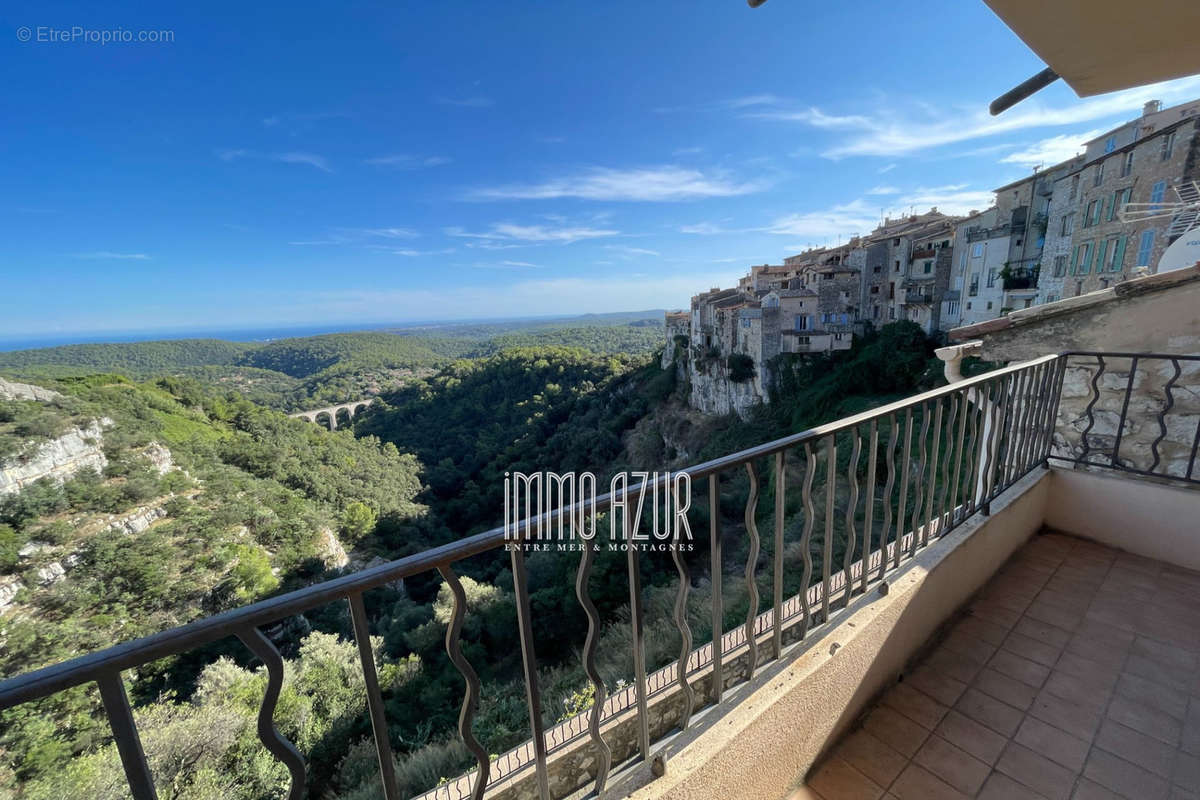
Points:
point(310, 159)
point(886, 168)
point(631, 251)
point(408, 161)
point(885, 133)
point(652, 184)
point(502, 232)
point(403, 251)
point(883, 190)
point(688, 151)
point(955, 199)
point(467, 102)
point(847, 219)
point(108, 254)
point(387, 233)
point(707, 229)
point(1050, 151)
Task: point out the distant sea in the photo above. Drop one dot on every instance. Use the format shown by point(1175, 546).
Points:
point(232, 334)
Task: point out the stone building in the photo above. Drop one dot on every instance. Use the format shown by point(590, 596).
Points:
point(1104, 250)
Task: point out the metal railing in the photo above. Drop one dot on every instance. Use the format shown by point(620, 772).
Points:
point(893, 479)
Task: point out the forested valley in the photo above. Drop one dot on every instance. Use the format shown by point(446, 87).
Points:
point(243, 502)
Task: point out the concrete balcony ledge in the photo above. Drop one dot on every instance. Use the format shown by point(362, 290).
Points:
point(766, 741)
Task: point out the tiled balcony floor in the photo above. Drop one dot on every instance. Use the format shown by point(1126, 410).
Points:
point(1075, 674)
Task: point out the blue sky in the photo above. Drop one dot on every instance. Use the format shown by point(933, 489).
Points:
point(381, 162)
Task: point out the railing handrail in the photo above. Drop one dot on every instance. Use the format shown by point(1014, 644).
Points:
point(92, 666)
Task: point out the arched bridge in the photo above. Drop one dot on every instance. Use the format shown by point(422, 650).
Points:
point(351, 408)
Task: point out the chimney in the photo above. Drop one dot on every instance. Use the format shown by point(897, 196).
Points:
point(1151, 107)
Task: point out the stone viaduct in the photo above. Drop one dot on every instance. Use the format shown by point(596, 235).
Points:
point(351, 408)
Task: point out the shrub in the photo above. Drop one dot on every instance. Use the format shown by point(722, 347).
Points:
point(741, 367)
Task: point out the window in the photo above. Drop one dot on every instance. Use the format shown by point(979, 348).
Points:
point(1110, 144)
point(991, 278)
point(1068, 224)
point(974, 289)
point(874, 290)
point(952, 308)
point(1082, 263)
point(968, 305)
point(1074, 186)
point(895, 242)
point(1098, 174)
point(928, 267)
point(989, 308)
point(1116, 249)
point(1145, 246)
point(801, 322)
point(1060, 266)
point(1127, 165)
point(1092, 217)
point(977, 250)
point(962, 262)
point(1158, 191)
point(891, 312)
point(897, 265)
point(1078, 287)
point(1168, 146)
point(876, 270)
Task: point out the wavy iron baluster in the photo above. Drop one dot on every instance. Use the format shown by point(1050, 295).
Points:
point(919, 500)
point(905, 464)
point(934, 458)
point(851, 508)
point(869, 511)
point(806, 537)
point(751, 563)
point(257, 642)
point(976, 400)
point(685, 632)
point(777, 577)
point(1090, 410)
point(466, 714)
point(1162, 417)
point(890, 460)
point(603, 751)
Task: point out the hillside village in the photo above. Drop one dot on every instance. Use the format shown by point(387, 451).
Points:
point(1052, 235)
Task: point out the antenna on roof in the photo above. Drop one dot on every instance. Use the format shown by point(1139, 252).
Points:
point(1185, 217)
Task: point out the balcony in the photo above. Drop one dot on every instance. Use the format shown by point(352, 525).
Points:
point(1020, 278)
point(890, 523)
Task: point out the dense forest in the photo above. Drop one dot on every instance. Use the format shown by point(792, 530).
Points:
point(253, 501)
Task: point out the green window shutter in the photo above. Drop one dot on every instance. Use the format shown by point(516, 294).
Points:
point(1118, 262)
point(1103, 251)
point(1075, 259)
point(1112, 209)
point(1086, 266)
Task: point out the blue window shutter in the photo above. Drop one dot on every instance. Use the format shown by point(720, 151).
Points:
point(1075, 259)
point(1118, 262)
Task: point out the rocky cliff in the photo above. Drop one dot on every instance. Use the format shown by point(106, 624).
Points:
point(58, 458)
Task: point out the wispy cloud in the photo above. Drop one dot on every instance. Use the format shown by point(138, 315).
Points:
point(953, 199)
point(408, 161)
point(360, 236)
point(505, 265)
point(631, 251)
point(886, 168)
point(308, 159)
point(109, 254)
point(408, 253)
point(386, 233)
point(888, 133)
point(650, 184)
point(708, 229)
point(846, 219)
point(1051, 151)
point(508, 234)
point(475, 101)
point(883, 190)
point(688, 151)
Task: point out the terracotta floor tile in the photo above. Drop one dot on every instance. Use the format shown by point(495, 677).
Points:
point(982, 629)
point(1135, 747)
point(1165, 654)
point(969, 646)
point(917, 783)
point(1009, 690)
point(1001, 787)
point(953, 765)
point(1147, 692)
point(1155, 671)
point(1075, 720)
point(952, 664)
point(1100, 674)
point(1028, 672)
point(1090, 790)
point(1039, 773)
point(1043, 632)
point(1145, 719)
point(1032, 649)
point(1187, 771)
point(916, 705)
point(1056, 745)
point(943, 688)
point(1065, 618)
point(837, 780)
point(988, 711)
point(896, 730)
point(1004, 617)
point(872, 757)
point(969, 735)
point(1089, 692)
point(1124, 778)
